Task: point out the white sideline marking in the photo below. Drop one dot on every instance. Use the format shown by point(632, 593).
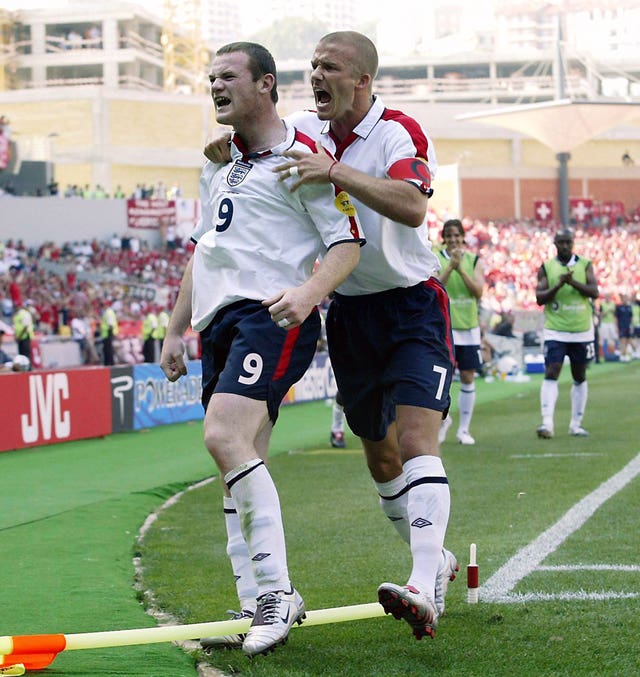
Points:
point(163, 618)
point(582, 596)
point(555, 455)
point(499, 586)
point(590, 567)
point(172, 500)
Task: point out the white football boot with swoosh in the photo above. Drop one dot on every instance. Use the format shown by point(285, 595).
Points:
point(276, 613)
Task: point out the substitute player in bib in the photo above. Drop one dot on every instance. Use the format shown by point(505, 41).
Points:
point(250, 292)
point(388, 328)
point(463, 278)
point(566, 284)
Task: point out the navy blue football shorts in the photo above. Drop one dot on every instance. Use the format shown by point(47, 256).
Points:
point(244, 352)
point(579, 353)
point(391, 348)
point(468, 358)
point(624, 330)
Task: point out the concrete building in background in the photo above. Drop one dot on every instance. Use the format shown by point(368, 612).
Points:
point(116, 95)
point(221, 22)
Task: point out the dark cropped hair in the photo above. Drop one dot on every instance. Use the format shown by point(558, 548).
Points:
point(261, 61)
point(564, 233)
point(453, 223)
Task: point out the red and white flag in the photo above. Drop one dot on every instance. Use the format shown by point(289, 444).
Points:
point(543, 209)
point(614, 208)
point(580, 208)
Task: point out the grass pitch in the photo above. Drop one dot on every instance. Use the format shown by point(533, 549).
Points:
point(573, 613)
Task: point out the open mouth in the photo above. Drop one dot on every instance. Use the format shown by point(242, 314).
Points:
point(222, 101)
point(322, 97)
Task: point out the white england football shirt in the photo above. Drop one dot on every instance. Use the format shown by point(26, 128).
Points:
point(255, 237)
point(396, 255)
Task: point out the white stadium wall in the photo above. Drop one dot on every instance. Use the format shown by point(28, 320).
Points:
point(35, 220)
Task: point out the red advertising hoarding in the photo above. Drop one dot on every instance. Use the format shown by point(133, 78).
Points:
point(44, 407)
point(150, 213)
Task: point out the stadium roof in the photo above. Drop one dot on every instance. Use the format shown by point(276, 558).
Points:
point(562, 124)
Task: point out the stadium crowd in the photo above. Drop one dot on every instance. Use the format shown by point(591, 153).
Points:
point(142, 191)
point(513, 251)
point(60, 282)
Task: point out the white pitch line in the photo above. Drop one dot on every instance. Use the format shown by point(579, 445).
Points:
point(581, 596)
point(204, 669)
point(589, 567)
point(526, 560)
point(584, 454)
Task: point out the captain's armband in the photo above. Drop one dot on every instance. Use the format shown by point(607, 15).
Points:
point(414, 170)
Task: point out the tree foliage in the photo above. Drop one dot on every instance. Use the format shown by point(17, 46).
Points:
point(291, 38)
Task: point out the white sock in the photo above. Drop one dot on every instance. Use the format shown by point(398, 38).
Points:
point(393, 501)
point(428, 510)
point(337, 424)
point(466, 402)
point(238, 553)
point(579, 395)
point(258, 506)
point(548, 399)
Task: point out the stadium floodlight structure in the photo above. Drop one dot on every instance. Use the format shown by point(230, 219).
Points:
point(563, 123)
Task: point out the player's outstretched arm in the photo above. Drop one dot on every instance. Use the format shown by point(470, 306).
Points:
point(173, 348)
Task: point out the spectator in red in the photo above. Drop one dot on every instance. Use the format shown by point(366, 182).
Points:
point(14, 288)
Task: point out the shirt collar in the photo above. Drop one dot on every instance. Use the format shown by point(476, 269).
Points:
point(572, 261)
point(239, 150)
point(368, 122)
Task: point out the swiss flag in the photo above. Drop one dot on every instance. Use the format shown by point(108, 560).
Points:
point(580, 208)
point(543, 209)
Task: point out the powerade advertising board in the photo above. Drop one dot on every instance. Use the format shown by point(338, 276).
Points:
point(157, 401)
point(318, 383)
point(121, 399)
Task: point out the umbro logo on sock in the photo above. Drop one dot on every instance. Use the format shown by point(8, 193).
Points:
point(260, 556)
point(421, 522)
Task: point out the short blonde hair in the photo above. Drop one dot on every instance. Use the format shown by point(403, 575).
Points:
point(365, 52)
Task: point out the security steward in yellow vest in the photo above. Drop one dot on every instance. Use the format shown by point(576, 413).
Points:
point(108, 330)
point(149, 336)
point(23, 330)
